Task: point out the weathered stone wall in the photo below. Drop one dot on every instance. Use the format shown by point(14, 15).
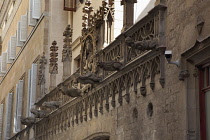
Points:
point(170, 120)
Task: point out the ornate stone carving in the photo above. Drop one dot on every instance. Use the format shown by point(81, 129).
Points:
point(52, 104)
point(195, 72)
point(143, 91)
point(72, 92)
point(27, 121)
point(200, 23)
point(41, 70)
point(142, 45)
point(39, 113)
point(67, 52)
point(89, 78)
point(110, 65)
point(53, 69)
point(183, 74)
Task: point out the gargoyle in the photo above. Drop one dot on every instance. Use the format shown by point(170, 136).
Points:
point(27, 121)
point(72, 92)
point(142, 45)
point(89, 78)
point(39, 113)
point(52, 104)
point(110, 65)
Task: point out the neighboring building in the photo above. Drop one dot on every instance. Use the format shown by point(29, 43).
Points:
point(82, 70)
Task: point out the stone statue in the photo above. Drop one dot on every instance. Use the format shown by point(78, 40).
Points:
point(142, 45)
point(27, 121)
point(52, 104)
point(72, 92)
point(40, 113)
point(89, 78)
point(110, 65)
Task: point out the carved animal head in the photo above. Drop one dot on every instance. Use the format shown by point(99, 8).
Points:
point(100, 64)
point(33, 110)
point(129, 41)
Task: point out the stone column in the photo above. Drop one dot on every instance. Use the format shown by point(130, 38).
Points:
point(67, 52)
point(128, 13)
point(53, 68)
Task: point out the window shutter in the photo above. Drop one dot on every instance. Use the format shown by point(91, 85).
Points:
point(15, 111)
point(36, 12)
point(33, 85)
point(23, 28)
point(28, 113)
point(1, 118)
point(19, 43)
point(1, 74)
point(3, 62)
point(8, 116)
point(12, 51)
point(19, 105)
point(31, 21)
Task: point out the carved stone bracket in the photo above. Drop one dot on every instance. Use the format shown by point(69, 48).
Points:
point(89, 78)
point(39, 113)
point(52, 104)
point(200, 23)
point(183, 74)
point(71, 92)
point(142, 45)
point(27, 121)
point(110, 65)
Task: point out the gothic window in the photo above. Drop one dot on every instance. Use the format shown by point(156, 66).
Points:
point(205, 101)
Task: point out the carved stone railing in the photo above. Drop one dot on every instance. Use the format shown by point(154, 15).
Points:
point(111, 92)
point(55, 95)
point(149, 28)
point(139, 70)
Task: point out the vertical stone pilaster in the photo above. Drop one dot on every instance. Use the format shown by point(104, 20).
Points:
point(67, 52)
point(128, 13)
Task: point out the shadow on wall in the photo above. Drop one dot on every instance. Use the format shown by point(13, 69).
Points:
point(141, 9)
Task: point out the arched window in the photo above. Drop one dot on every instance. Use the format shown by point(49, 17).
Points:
point(99, 136)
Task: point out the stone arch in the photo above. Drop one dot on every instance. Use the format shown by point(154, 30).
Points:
point(99, 136)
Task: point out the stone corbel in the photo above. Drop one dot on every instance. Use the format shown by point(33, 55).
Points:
point(183, 74)
point(27, 121)
point(39, 113)
point(110, 65)
point(52, 104)
point(200, 23)
point(142, 45)
point(71, 92)
point(89, 78)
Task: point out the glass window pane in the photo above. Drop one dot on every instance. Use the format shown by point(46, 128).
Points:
point(207, 100)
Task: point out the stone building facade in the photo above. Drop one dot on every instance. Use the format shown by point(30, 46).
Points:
point(74, 70)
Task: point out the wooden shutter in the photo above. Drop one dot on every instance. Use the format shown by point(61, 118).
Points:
point(19, 43)
point(33, 85)
point(1, 74)
point(31, 21)
point(70, 5)
point(28, 113)
point(8, 116)
point(36, 11)
point(15, 111)
point(23, 28)
point(19, 105)
point(12, 51)
point(3, 62)
point(1, 118)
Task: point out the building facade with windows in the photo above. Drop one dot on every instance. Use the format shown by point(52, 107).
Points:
point(104, 70)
